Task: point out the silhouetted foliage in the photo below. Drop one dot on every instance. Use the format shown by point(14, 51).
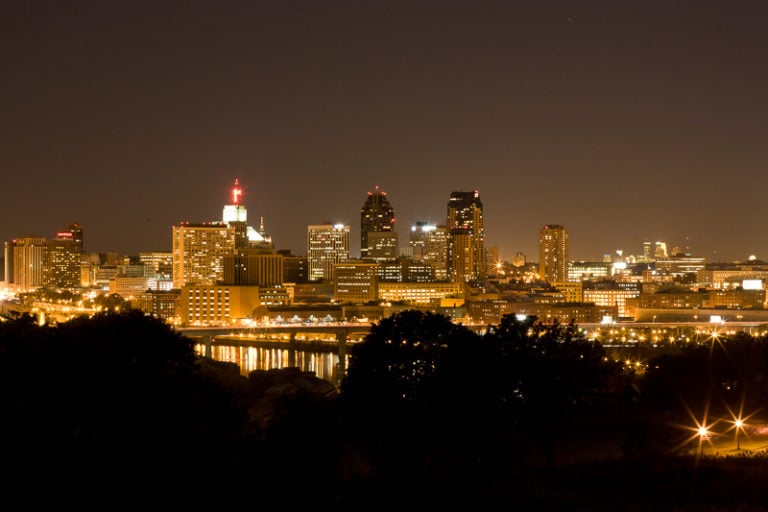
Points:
point(116, 402)
point(475, 399)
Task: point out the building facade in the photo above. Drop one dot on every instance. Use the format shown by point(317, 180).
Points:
point(199, 251)
point(377, 216)
point(466, 256)
point(27, 262)
point(327, 245)
point(553, 253)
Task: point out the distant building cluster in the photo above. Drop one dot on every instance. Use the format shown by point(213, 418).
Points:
point(227, 272)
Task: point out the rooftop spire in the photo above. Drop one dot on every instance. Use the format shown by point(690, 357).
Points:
point(237, 192)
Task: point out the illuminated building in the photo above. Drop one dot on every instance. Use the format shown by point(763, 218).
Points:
point(198, 252)
point(382, 246)
point(678, 266)
point(436, 251)
point(161, 304)
point(418, 238)
point(61, 268)
point(572, 291)
point(588, 270)
point(235, 215)
point(553, 253)
point(355, 282)
point(327, 244)
point(129, 287)
point(466, 257)
point(160, 262)
point(611, 293)
point(217, 304)
point(728, 278)
point(378, 239)
point(405, 270)
point(490, 311)
point(27, 262)
point(418, 293)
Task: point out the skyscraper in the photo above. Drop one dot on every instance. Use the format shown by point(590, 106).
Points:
point(377, 216)
point(327, 244)
point(466, 247)
point(198, 252)
point(77, 234)
point(553, 253)
point(418, 238)
point(436, 251)
point(28, 259)
point(61, 268)
point(235, 215)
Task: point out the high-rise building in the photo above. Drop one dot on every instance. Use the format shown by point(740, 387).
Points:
point(61, 267)
point(198, 252)
point(327, 244)
point(553, 253)
point(199, 249)
point(77, 234)
point(418, 238)
point(235, 215)
point(436, 251)
point(28, 259)
point(466, 248)
point(377, 216)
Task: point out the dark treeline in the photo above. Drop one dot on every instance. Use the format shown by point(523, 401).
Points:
point(117, 411)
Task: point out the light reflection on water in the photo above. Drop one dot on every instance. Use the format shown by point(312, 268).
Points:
point(324, 365)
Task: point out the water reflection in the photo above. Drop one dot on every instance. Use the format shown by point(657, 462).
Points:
point(324, 365)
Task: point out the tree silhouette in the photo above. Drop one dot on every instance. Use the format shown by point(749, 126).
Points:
point(117, 403)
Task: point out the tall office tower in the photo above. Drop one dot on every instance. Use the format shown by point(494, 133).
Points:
point(418, 238)
point(235, 215)
point(28, 254)
point(61, 267)
point(76, 229)
point(553, 253)
point(647, 251)
point(466, 248)
point(377, 216)
point(198, 252)
point(327, 244)
point(661, 250)
point(436, 251)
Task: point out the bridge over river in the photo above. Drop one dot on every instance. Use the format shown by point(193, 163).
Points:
point(324, 347)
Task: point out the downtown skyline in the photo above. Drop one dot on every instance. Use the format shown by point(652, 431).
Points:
point(623, 122)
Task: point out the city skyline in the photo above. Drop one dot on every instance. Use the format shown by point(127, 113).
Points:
point(623, 122)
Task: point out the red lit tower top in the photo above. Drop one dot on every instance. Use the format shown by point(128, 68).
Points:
point(237, 192)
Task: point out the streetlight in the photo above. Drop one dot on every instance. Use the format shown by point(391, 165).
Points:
point(739, 424)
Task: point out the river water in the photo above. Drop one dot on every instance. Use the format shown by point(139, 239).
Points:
point(325, 365)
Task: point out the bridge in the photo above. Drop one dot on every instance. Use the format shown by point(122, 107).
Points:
point(337, 335)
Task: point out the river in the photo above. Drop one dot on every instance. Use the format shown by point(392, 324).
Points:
point(325, 365)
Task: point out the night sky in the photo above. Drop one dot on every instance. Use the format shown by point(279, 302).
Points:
point(624, 121)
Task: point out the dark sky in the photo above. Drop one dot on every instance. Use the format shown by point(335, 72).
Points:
point(622, 120)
